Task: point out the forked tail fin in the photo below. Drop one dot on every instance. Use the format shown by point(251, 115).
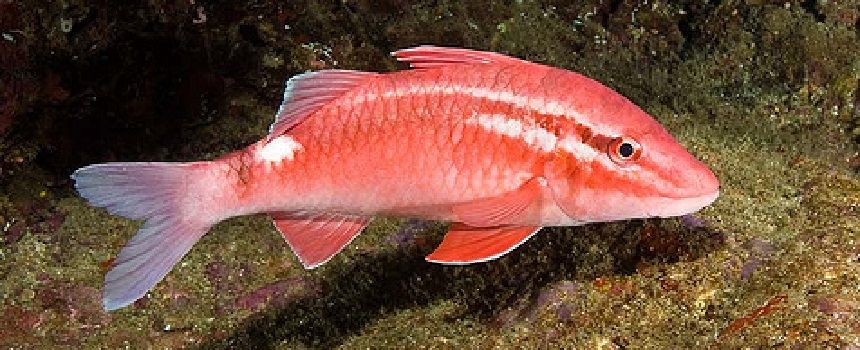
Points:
point(167, 196)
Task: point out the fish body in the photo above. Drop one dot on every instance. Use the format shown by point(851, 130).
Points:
point(413, 143)
point(498, 146)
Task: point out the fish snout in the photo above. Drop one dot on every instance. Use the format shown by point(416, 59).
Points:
point(711, 183)
point(696, 187)
point(701, 181)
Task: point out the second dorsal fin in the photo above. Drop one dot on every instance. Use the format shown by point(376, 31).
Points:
point(434, 56)
point(307, 92)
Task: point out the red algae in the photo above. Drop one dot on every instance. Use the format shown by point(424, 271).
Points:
point(743, 322)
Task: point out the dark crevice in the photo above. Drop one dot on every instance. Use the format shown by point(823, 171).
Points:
point(690, 26)
point(811, 6)
point(250, 34)
point(688, 32)
point(606, 12)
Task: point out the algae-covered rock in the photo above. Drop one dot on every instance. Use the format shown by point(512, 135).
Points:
point(766, 93)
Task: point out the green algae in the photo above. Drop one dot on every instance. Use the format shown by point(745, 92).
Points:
point(764, 94)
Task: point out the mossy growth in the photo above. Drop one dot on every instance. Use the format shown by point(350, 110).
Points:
point(765, 94)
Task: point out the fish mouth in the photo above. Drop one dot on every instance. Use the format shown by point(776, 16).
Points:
point(668, 207)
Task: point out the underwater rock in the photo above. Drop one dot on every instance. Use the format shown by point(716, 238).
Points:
point(749, 267)
point(691, 221)
point(550, 299)
point(13, 233)
point(760, 251)
point(835, 304)
point(277, 293)
point(79, 303)
point(406, 234)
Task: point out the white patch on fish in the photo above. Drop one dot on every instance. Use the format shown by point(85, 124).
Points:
point(280, 148)
point(534, 136)
point(578, 149)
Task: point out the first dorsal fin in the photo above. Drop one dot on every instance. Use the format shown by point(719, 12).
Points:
point(307, 92)
point(434, 56)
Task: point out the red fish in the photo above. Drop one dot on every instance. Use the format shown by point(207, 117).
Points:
point(498, 146)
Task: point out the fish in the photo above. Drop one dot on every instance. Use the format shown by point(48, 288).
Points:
point(497, 146)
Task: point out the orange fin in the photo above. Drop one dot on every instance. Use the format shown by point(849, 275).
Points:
point(317, 238)
point(308, 92)
point(501, 210)
point(434, 56)
point(465, 245)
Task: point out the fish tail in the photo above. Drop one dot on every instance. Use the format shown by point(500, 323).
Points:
point(162, 194)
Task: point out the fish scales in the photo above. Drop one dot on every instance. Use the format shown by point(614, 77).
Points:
point(378, 123)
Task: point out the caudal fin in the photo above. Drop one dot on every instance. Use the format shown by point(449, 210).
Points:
point(157, 193)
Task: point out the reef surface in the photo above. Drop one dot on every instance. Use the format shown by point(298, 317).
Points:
point(765, 92)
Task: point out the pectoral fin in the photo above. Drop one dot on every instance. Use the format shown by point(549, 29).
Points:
point(465, 244)
point(317, 238)
point(509, 208)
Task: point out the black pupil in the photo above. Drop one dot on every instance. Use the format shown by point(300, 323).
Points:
point(625, 150)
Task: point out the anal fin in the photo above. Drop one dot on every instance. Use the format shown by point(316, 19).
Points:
point(465, 244)
point(317, 238)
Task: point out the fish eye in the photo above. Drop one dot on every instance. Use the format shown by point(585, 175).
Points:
point(624, 149)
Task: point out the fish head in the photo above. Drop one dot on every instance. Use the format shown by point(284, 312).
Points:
point(626, 165)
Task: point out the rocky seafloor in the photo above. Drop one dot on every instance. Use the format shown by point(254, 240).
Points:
point(765, 92)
